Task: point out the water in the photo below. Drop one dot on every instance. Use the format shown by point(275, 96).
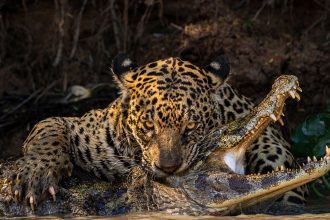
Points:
point(316, 208)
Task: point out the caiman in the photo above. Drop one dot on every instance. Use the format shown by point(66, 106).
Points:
point(217, 185)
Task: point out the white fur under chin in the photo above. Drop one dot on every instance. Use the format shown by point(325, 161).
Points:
point(235, 162)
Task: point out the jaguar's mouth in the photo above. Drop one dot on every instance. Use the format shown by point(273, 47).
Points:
point(159, 173)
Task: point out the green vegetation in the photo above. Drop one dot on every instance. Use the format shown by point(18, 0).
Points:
point(309, 139)
point(312, 135)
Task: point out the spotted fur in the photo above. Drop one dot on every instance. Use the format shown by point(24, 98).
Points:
point(164, 108)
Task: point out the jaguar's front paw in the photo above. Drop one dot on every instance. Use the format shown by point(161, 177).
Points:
point(34, 178)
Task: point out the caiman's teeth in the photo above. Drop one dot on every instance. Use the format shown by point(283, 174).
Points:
point(282, 168)
point(314, 159)
point(303, 164)
point(273, 117)
point(292, 94)
point(281, 121)
point(277, 169)
point(309, 159)
point(327, 151)
point(297, 96)
point(321, 159)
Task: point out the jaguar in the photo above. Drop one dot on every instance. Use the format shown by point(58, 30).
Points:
point(164, 109)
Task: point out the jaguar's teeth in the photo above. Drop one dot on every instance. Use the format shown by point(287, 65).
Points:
point(314, 159)
point(299, 89)
point(282, 114)
point(292, 94)
point(309, 159)
point(273, 117)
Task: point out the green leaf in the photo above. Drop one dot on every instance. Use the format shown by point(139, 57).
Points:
point(314, 125)
point(310, 137)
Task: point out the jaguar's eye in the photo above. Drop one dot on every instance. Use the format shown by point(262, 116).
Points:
point(149, 125)
point(191, 125)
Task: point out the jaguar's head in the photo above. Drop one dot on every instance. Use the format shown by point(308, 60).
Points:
point(169, 105)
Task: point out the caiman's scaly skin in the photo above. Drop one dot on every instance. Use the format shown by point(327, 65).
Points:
point(214, 187)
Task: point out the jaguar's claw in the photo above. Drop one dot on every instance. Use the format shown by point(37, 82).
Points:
point(16, 193)
point(32, 203)
point(51, 190)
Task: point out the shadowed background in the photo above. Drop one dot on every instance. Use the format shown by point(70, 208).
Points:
point(46, 47)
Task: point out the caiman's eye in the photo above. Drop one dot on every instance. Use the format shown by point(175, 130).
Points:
point(149, 125)
point(190, 126)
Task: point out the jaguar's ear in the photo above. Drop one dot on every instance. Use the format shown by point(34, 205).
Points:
point(121, 65)
point(218, 70)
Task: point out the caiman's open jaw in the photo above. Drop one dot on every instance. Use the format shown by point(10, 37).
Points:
point(223, 192)
point(228, 144)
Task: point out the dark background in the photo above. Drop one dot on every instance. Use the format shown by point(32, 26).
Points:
point(46, 47)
